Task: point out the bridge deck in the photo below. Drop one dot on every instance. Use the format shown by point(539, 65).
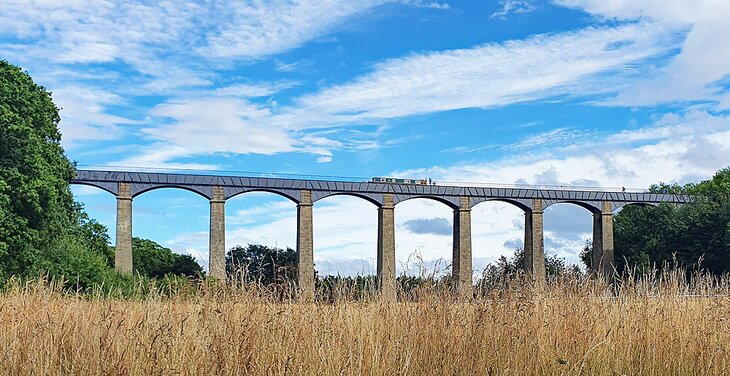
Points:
point(233, 185)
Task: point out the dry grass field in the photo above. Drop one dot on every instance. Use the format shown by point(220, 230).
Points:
point(660, 327)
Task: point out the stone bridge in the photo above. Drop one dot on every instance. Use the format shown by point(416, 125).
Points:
point(217, 189)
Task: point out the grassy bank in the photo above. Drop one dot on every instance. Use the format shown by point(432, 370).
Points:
point(660, 326)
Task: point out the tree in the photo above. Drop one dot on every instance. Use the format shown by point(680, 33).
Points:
point(155, 261)
point(505, 268)
point(692, 235)
point(259, 263)
point(36, 204)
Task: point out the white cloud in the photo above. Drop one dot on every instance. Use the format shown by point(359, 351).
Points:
point(159, 156)
point(214, 125)
point(552, 137)
point(162, 47)
point(485, 76)
point(704, 58)
point(513, 6)
point(427, 4)
point(628, 158)
point(84, 114)
point(102, 31)
point(254, 90)
point(204, 126)
point(255, 30)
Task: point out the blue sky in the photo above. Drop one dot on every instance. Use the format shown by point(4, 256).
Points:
point(605, 93)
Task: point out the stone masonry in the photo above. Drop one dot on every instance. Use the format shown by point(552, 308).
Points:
point(386, 249)
point(534, 242)
point(217, 237)
point(305, 247)
point(462, 256)
point(123, 248)
point(602, 259)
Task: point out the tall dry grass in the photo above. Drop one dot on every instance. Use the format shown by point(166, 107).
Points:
point(666, 325)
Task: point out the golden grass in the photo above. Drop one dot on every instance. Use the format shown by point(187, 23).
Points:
point(660, 327)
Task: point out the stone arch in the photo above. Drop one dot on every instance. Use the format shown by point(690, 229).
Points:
point(617, 206)
point(320, 195)
point(292, 196)
point(451, 202)
point(525, 205)
point(112, 188)
point(138, 189)
point(593, 207)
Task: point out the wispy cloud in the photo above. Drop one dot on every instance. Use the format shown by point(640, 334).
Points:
point(163, 49)
point(695, 72)
point(513, 6)
point(484, 76)
point(427, 4)
point(254, 90)
point(552, 138)
point(255, 30)
point(84, 114)
point(103, 31)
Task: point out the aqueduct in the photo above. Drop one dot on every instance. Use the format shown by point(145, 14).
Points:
point(217, 189)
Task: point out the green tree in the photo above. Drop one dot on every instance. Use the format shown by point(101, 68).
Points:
point(692, 235)
point(155, 261)
point(505, 268)
point(262, 264)
point(36, 204)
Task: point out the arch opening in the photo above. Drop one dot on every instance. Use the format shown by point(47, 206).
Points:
point(424, 237)
point(581, 204)
point(498, 230)
point(266, 191)
point(170, 186)
point(345, 236)
point(99, 205)
point(92, 185)
point(261, 218)
point(513, 203)
point(430, 198)
point(568, 229)
point(358, 196)
point(174, 218)
point(635, 204)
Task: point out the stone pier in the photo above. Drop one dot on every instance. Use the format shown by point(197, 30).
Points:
point(602, 261)
point(534, 242)
point(461, 267)
point(123, 247)
point(305, 247)
point(386, 249)
point(217, 235)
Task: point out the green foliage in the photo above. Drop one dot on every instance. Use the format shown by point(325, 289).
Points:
point(692, 235)
point(42, 230)
point(80, 268)
point(155, 261)
point(259, 263)
point(93, 235)
point(507, 269)
point(36, 205)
